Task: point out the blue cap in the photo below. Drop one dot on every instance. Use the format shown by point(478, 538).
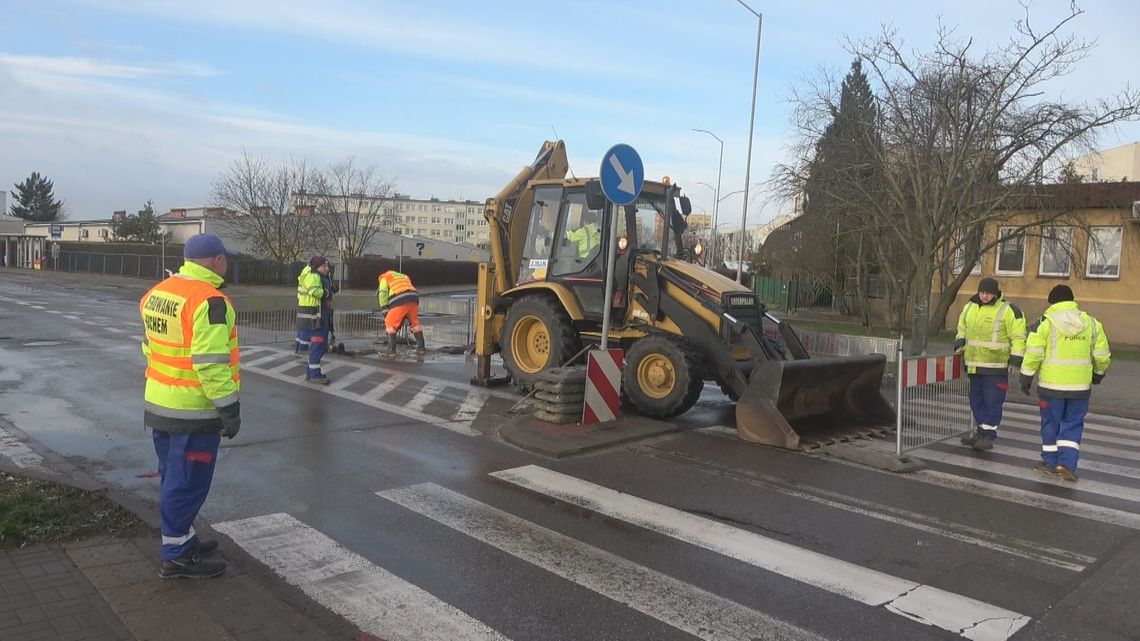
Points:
point(205, 246)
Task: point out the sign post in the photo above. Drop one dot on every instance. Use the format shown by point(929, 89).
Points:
point(622, 177)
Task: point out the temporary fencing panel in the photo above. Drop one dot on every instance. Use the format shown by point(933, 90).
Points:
point(932, 402)
point(446, 321)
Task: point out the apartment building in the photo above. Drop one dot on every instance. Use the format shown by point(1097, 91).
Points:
point(453, 221)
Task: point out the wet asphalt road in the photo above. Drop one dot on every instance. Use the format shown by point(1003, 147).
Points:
point(71, 376)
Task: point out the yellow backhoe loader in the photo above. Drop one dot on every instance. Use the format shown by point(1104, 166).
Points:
point(542, 297)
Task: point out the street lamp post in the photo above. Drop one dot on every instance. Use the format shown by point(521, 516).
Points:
point(716, 197)
point(751, 127)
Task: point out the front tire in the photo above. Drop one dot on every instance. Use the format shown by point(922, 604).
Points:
point(537, 336)
point(662, 376)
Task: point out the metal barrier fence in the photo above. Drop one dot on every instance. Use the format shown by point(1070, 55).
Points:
point(446, 321)
point(829, 344)
point(932, 402)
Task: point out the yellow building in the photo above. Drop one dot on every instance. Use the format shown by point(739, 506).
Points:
point(1094, 248)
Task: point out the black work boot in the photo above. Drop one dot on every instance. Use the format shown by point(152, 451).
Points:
point(983, 443)
point(972, 438)
point(204, 547)
point(391, 353)
point(420, 347)
point(191, 566)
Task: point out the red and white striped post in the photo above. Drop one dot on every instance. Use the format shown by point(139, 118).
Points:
point(603, 386)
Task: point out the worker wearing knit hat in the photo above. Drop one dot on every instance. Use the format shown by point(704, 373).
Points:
point(1060, 294)
point(1068, 353)
point(991, 332)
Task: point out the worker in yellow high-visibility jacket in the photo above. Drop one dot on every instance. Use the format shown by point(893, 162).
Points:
point(191, 397)
point(1068, 353)
point(991, 332)
point(399, 300)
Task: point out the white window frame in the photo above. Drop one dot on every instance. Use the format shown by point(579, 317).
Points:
point(1067, 245)
point(1089, 253)
point(958, 261)
point(997, 257)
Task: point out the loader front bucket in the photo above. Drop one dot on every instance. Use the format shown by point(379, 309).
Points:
point(787, 398)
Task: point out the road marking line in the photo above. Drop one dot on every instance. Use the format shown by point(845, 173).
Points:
point(426, 395)
point(71, 317)
point(1033, 418)
point(1100, 488)
point(669, 600)
point(469, 408)
point(1035, 455)
point(114, 330)
point(1028, 498)
point(37, 306)
point(998, 491)
point(968, 617)
point(387, 385)
point(342, 382)
point(366, 399)
point(377, 601)
point(960, 532)
point(54, 311)
point(1086, 447)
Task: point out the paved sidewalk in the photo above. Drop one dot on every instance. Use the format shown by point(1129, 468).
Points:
point(108, 589)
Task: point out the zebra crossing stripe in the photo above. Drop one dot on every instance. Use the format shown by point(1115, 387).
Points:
point(377, 601)
point(686, 607)
point(426, 395)
point(962, 615)
point(372, 398)
point(1100, 488)
point(1035, 455)
point(1031, 416)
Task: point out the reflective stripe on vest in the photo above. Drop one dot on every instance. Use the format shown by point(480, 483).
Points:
point(174, 387)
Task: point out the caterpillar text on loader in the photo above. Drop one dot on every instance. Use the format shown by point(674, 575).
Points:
point(541, 299)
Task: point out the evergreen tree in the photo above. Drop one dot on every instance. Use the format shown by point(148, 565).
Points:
point(142, 227)
point(842, 159)
point(35, 201)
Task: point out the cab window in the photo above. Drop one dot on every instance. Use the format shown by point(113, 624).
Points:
point(579, 240)
point(540, 234)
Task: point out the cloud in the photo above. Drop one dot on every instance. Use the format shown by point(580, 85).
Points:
point(67, 66)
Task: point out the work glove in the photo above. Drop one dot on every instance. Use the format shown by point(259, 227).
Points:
point(231, 419)
point(1097, 378)
point(1026, 384)
point(959, 344)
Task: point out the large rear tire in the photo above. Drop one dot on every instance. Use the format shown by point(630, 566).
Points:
point(537, 336)
point(662, 376)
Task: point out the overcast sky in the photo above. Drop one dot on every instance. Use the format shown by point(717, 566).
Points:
point(119, 101)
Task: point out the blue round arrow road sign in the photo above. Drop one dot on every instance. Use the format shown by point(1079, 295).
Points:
point(622, 174)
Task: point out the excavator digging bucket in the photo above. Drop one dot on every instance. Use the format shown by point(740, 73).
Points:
point(787, 398)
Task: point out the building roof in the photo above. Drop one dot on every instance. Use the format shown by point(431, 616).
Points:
point(1106, 195)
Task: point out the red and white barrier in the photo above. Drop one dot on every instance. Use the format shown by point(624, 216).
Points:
point(932, 369)
point(603, 386)
point(932, 401)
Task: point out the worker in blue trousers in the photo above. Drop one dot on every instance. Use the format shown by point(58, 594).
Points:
point(191, 397)
point(991, 332)
point(314, 314)
point(1068, 353)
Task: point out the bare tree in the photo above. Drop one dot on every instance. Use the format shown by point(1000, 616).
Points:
point(353, 204)
point(963, 140)
point(262, 194)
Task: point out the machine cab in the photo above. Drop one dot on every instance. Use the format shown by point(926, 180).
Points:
point(569, 231)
